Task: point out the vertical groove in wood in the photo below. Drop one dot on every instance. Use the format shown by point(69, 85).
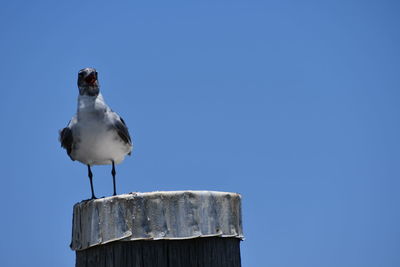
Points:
point(197, 252)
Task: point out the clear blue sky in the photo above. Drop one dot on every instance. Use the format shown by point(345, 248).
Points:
point(293, 104)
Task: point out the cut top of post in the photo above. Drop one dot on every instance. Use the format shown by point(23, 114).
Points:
point(156, 215)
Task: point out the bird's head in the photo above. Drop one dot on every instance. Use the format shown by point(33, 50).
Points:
point(87, 82)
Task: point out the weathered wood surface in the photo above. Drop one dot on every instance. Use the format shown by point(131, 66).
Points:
point(197, 252)
point(160, 229)
point(156, 215)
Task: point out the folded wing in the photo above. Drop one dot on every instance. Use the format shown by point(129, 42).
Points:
point(66, 138)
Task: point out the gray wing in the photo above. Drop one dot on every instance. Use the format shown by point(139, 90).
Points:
point(66, 139)
point(122, 130)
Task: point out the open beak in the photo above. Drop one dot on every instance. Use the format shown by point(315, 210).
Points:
point(91, 79)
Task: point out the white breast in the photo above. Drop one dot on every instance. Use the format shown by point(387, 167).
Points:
point(96, 142)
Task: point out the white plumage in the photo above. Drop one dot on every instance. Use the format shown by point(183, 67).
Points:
point(98, 142)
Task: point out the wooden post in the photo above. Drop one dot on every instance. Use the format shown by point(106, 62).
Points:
point(168, 229)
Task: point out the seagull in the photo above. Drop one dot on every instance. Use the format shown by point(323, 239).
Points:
point(96, 135)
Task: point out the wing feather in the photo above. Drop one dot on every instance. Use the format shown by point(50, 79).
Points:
point(122, 130)
point(66, 139)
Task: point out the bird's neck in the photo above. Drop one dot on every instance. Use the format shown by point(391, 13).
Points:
point(90, 103)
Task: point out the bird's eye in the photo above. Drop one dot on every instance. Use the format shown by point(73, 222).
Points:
point(80, 74)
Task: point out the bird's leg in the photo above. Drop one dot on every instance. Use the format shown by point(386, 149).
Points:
point(90, 174)
point(113, 175)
